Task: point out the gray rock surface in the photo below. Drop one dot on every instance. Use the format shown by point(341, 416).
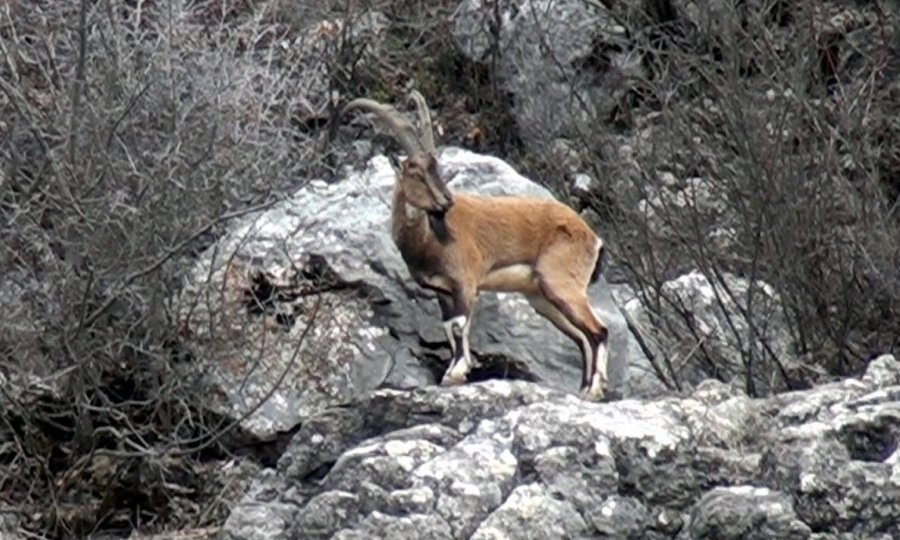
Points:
point(9, 525)
point(513, 459)
point(746, 512)
point(374, 323)
point(540, 44)
point(312, 49)
point(704, 329)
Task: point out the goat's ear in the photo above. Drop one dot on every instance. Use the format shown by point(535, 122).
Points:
point(433, 165)
point(395, 163)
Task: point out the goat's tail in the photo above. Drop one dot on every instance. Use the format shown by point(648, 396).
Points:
point(598, 266)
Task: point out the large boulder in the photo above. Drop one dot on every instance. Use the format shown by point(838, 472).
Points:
point(308, 304)
point(547, 54)
point(747, 512)
point(513, 459)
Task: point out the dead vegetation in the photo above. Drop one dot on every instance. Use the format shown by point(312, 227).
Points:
point(132, 133)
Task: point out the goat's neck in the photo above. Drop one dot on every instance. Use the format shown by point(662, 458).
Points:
point(409, 223)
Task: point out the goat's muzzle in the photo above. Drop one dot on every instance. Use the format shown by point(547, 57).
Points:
point(446, 202)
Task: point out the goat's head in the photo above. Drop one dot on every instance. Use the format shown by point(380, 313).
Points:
point(418, 173)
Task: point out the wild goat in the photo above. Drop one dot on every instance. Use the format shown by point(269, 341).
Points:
point(459, 244)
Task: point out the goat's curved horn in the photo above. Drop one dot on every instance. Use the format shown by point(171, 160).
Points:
point(425, 127)
point(402, 129)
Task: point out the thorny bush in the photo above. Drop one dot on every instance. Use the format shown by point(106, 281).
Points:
point(131, 133)
point(761, 144)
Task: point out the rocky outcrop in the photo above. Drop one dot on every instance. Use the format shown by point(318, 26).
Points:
point(309, 304)
point(512, 459)
point(539, 48)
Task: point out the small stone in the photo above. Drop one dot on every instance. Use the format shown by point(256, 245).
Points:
point(883, 371)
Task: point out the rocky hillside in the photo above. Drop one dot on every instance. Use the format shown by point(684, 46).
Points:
point(207, 330)
point(503, 459)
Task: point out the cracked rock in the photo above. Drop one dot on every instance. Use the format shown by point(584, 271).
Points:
point(514, 459)
point(746, 512)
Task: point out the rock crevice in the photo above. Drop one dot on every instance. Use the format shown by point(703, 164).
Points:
point(513, 459)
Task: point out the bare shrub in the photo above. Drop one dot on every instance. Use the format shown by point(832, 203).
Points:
point(752, 142)
point(759, 143)
point(131, 134)
point(759, 150)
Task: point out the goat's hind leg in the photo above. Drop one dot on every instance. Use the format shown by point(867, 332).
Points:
point(550, 312)
point(570, 298)
point(598, 335)
point(456, 312)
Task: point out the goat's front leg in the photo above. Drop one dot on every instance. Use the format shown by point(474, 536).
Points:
point(456, 312)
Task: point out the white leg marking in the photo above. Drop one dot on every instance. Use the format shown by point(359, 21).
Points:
point(459, 364)
point(548, 310)
point(599, 381)
point(448, 329)
point(467, 353)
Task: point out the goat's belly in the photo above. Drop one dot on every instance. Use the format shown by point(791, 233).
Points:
point(514, 278)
